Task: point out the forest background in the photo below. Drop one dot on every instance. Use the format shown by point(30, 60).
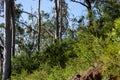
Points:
point(58, 39)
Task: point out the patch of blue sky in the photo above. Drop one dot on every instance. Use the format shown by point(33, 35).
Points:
point(46, 5)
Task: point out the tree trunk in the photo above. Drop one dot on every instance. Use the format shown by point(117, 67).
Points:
point(1, 59)
point(61, 18)
point(63, 13)
point(39, 25)
point(90, 13)
point(57, 18)
point(13, 28)
point(7, 42)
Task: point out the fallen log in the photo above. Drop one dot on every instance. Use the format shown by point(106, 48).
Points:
point(90, 74)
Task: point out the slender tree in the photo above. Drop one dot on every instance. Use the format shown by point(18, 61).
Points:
point(63, 21)
point(39, 24)
point(61, 14)
point(57, 18)
point(7, 41)
point(13, 27)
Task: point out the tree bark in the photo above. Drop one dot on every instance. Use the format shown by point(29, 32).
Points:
point(57, 17)
point(7, 42)
point(39, 25)
point(63, 13)
point(61, 18)
point(13, 28)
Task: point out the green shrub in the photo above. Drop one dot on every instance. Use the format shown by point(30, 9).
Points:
point(55, 55)
point(24, 62)
point(60, 61)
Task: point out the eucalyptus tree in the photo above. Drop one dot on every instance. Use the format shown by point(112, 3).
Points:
point(39, 25)
point(61, 15)
point(32, 28)
point(12, 15)
point(7, 41)
point(12, 12)
point(57, 18)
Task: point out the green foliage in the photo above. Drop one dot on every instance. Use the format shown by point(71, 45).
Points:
point(80, 49)
point(111, 59)
point(117, 27)
point(55, 54)
point(18, 11)
point(25, 62)
point(64, 59)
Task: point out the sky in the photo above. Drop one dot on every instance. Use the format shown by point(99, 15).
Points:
point(46, 5)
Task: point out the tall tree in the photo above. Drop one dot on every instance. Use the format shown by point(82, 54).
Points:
point(57, 18)
point(7, 41)
point(13, 27)
point(63, 21)
point(39, 24)
point(61, 17)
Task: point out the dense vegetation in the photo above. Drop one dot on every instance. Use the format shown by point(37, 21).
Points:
point(60, 61)
point(59, 47)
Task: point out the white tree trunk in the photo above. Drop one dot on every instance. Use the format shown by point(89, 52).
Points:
point(7, 42)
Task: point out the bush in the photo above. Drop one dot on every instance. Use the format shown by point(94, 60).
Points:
point(24, 62)
point(60, 61)
point(55, 55)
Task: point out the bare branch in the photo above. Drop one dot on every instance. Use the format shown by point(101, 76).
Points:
point(51, 34)
point(29, 13)
point(27, 26)
point(23, 24)
point(23, 12)
point(79, 3)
